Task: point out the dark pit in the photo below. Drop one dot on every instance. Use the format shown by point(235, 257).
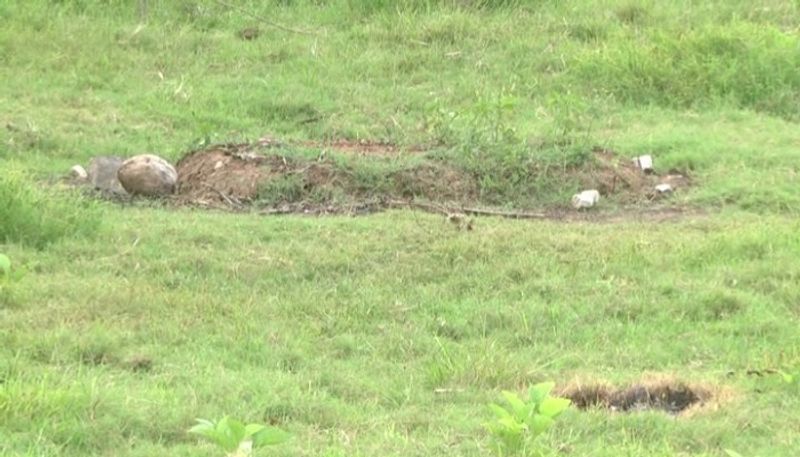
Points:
point(673, 398)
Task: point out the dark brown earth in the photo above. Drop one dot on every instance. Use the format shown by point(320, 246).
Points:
point(670, 396)
point(223, 174)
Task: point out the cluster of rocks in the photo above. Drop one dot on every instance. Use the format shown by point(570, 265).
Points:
point(145, 174)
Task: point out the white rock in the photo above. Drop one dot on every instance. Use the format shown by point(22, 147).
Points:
point(78, 173)
point(664, 188)
point(148, 175)
point(585, 199)
point(645, 162)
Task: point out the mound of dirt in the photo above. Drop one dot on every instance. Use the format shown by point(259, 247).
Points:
point(239, 175)
point(236, 173)
point(224, 171)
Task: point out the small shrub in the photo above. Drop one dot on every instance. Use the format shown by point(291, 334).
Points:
point(36, 216)
point(236, 438)
point(519, 422)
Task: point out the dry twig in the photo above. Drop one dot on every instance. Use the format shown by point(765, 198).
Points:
point(266, 21)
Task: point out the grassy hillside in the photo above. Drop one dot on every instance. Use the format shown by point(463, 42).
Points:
point(387, 335)
point(709, 88)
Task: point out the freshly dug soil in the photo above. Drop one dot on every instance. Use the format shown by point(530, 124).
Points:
point(237, 172)
point(235, 175)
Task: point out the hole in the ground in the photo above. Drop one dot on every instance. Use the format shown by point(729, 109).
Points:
point(672, 397)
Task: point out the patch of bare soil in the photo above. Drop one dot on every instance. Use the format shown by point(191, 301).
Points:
point(671, 396)
point(221, 173)
point(234, 175)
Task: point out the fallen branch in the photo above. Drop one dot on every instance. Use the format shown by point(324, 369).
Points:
point(439, 209)
point(265, 21)
point(231, 201)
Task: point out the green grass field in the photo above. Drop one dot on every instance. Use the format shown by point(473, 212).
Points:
point(387, 335)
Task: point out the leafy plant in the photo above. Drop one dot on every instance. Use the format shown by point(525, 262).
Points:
point(236, 438)
point(518, 422)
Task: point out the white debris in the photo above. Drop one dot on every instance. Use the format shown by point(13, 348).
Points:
point(79, 173)
point(585, 199)
point(664, 188)
point(645, 162)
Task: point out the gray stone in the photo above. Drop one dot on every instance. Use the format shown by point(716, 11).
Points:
point(103, 174)
point(148, 175)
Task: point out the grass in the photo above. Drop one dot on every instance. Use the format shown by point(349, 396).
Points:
point(37, 217)
point(388, 335)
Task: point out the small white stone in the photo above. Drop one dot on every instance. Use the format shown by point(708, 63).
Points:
point(664, 188)
point(645, 162)
point(218, 165)
point(585, 199)
point(79, 173)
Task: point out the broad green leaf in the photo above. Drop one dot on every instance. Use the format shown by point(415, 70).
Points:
point(252, 429)
point(538, 424)
point(202, 426)
point(499, 411)
point(540, 391)
point(208, 430)
point(5, 265)
point(511, 426)
point(516, 403)
point(553, 406)
point(231, 432)
point(269, 436)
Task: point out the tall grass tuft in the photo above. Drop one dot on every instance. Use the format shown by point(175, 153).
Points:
point(36, 216)
point(740, 64)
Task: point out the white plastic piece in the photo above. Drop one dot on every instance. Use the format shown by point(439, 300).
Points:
point(645, 162)
point(585, 199)
point(664, 188)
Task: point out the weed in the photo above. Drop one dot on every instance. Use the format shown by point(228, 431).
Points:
point(236, 438)
point(519, 422)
